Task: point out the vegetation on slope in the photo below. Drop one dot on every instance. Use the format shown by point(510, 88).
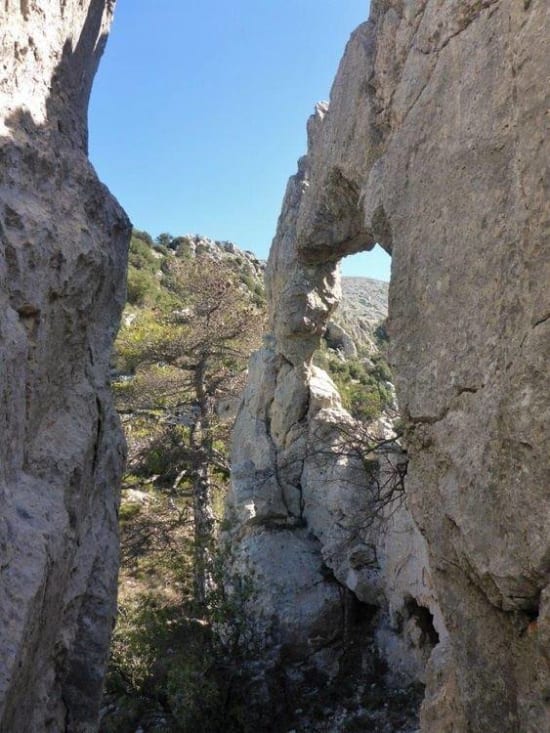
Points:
point(363, 381)
point(194, 313)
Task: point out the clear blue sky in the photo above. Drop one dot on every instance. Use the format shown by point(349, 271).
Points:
point(199, 109)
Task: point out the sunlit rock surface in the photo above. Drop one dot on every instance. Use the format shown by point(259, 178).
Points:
point(313, 528)
point(63, 245)
point(435, 144)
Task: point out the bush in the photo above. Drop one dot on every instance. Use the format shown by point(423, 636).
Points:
point(361, 401)
point(166, 455)
point(381, 370)
point(143, 236)
point(169, 671)
point(141, 287)
point(365, 394)
point(141, 255)
point(381, 335)
point(165, 239)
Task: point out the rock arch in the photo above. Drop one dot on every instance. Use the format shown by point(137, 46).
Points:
point(429, 147)
point(301, 504)
point(435, 145)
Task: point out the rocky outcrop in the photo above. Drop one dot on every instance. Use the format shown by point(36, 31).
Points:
point(196, 245)
point(435, 145)
point(360, 315)
point(319, 515)
point(63, 242)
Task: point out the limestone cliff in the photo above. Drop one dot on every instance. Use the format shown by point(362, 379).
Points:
point(63, 242)
point(435, 145)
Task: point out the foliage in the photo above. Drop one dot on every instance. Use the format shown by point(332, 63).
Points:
point(364, 383)
point(143, 266)
point(381, 335)
point(185, 357)
point(187, 332)
point(142, 255)
point(165, 240)
point(168, 670)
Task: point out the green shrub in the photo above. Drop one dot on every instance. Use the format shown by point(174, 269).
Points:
point(142, 287)
point(362, 402)
point(143, 236)
point(381, 370)
point(381, 335)
point(364, 394)
point(141, 255)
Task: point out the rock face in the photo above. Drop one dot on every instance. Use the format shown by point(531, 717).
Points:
point(436, 146)
point(63, 242)
point(318, 530)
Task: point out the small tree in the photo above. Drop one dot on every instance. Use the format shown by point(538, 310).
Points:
point(164, 239)
point(195, 355)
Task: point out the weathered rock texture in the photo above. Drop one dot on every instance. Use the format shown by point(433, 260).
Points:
point(319, 533)
point(62, 261)
point(436, 145)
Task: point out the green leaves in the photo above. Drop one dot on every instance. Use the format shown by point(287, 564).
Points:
point(363, 383)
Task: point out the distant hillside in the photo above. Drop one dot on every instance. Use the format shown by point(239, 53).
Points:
point(353, 350)
point(364, 299)
point(150, 262)
point(363, 308)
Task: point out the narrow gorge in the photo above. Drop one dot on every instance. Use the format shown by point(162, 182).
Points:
point(428, 556)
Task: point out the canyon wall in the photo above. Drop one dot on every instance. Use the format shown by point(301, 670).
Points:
point(63, 241)
point(435, 144)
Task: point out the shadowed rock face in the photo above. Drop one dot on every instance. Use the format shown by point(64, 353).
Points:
point(63, 241)
point(436, 145)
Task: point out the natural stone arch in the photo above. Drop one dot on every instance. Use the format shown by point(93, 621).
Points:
point(435, 127)
point(438, 124)
point(298, 501)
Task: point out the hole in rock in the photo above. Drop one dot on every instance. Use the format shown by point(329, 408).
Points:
point(155, 522)
point(375, 264)
point(364, 307)
point(359, 624)
point(425, 622)
point(532, 613)
point(360, 616)
point(354, 345)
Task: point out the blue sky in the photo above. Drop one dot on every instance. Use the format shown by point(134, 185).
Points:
point(198, 111)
